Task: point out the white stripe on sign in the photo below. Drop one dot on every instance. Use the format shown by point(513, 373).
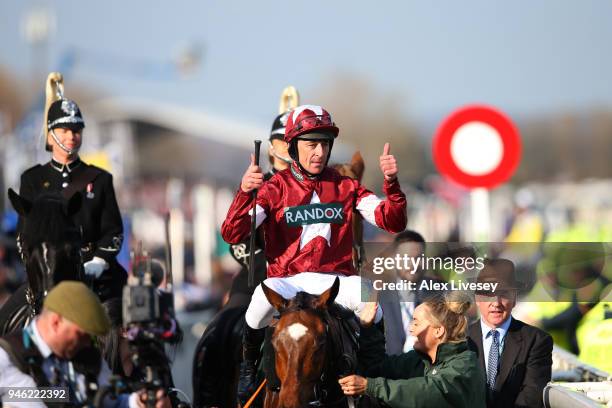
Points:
point(477, 148)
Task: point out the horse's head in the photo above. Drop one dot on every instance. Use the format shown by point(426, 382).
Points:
point(50, 241)
point(299, 341)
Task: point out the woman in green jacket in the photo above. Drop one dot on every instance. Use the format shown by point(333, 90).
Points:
point(439, 372)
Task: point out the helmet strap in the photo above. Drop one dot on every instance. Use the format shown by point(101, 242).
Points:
point(287, 160)
point(61, 145)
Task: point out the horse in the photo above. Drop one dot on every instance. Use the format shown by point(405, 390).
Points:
point(219, 351)
point(49, 245)
point(304, 351)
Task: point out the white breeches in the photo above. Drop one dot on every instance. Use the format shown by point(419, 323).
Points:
point(260, 311)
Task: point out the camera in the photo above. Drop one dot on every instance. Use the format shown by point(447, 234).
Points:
point(150, 324)
point(147, 310)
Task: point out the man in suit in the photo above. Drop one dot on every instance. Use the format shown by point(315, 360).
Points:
point(516, 358)
point(398, 306)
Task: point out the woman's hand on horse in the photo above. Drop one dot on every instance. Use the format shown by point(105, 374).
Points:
point(252, 178)
point(353, 385)
point(388, 164)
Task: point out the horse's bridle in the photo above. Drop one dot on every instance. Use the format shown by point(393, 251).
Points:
point(321, 387)
point(321, 391)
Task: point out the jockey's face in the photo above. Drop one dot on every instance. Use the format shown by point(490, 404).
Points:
point(71, 139)
point(313, 154)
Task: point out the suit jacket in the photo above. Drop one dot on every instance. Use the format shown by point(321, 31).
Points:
point(395, 334)
point(525, 365)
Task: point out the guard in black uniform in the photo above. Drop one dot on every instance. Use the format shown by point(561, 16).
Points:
point(99, 218)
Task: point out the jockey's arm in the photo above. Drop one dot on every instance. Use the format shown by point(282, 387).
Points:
point(388, 214)
point(237, 224)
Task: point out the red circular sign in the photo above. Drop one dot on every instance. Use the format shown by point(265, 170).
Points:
point(479, 118)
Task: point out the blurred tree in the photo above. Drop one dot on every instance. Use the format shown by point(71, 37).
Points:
point(566, 146)
point(12, 101)
point(367, 119)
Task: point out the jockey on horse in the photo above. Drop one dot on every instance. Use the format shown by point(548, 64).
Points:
point(214, 377)
point(306, 212)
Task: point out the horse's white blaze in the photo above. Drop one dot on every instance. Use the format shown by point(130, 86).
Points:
point(296, 331)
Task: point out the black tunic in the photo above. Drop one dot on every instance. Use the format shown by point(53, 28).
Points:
point(99, 217)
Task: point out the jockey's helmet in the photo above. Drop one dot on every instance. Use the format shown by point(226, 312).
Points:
point(309, 122)
point(309, 119)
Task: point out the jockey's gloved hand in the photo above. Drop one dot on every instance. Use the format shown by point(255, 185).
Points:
point(95, 267)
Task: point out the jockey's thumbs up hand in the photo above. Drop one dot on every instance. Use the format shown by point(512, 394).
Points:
point(252, 178)
point(388, 165)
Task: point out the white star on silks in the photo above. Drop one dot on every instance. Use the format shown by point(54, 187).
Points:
point(311, 231)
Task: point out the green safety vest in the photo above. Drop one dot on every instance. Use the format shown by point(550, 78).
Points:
point(595, 335)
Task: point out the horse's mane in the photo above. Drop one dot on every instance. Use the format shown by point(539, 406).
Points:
point(305, 301)
point(302, 301)
point(47, 221)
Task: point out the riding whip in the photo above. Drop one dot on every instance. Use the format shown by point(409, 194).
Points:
point(253, 225)
point(168, 252)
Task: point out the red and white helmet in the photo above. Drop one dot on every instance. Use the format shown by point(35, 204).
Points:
point(309, 119)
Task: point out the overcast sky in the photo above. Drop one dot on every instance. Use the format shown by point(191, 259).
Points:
point(526, 57)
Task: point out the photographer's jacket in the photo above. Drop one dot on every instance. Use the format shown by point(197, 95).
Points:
point(307, 222)
point(26, 360)
point(99, 216)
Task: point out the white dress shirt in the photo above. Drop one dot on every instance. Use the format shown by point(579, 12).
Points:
point(487, 339)
point(407, 306)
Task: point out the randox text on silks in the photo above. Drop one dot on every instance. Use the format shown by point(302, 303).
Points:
point(314, 214)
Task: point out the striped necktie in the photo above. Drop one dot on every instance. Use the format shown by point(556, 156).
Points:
point(493, 359)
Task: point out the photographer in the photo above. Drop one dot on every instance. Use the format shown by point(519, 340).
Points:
point(55, 349)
